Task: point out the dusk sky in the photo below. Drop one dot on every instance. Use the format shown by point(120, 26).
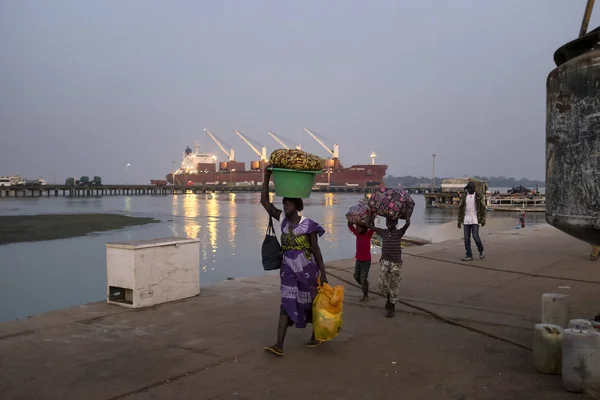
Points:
point(89, 86)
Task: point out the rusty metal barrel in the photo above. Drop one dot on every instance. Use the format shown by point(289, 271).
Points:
point(573, 139)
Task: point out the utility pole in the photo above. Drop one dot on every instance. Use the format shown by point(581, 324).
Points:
point(433, 177)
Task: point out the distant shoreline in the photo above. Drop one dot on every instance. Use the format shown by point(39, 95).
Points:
point(36, 228)
point(493, 181)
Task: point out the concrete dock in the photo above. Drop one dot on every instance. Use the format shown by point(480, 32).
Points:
point(210, 347)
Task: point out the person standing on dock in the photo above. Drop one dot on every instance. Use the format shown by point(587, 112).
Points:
point(471, 214)
point(521, 223)
point(595, 253)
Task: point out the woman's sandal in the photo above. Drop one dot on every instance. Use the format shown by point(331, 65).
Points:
point(314, 343)
point(273, 350)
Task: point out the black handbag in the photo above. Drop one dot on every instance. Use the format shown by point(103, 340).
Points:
point(271, 250)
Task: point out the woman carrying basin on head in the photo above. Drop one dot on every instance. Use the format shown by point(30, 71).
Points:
point(302, 265)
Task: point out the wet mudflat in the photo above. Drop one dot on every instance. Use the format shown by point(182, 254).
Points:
point(34, 228)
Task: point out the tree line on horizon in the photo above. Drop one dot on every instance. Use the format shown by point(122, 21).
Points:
point(493, 181)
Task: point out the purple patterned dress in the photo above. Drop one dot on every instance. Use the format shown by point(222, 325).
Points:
point(299, 270)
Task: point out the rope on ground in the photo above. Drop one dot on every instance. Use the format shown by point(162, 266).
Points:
point(436, 315)
point(508, 271)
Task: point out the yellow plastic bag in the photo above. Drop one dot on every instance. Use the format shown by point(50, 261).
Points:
point(328, 312)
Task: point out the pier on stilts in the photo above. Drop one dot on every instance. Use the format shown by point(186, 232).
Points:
point(154, 190)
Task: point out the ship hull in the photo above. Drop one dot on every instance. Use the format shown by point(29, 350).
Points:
point(357, 175)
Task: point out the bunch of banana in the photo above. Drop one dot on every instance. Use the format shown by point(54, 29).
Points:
point(296, 159)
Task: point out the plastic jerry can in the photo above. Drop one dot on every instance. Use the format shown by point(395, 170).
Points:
point(580, 324)
point(547, 348)
point(556, 309)
point(581, 361)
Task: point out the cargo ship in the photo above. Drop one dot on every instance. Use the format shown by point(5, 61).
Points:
point(200, 168)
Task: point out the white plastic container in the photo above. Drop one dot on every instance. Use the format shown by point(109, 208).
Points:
point(555, 309)
point(149, 272)
point(580, 324)
point(581, 361)
point(547, 348)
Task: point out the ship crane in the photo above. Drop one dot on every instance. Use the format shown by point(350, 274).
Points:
point(281, 142)
point(230, 154)
point(334, 153)
point(262, 154)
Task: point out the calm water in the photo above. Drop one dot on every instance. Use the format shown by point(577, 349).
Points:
point(44, 276)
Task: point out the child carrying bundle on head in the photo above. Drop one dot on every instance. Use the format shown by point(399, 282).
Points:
point(391, 259)
point(392, 204)
point(363, 256)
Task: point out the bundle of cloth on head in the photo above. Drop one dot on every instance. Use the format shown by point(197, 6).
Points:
point(392, 203)
point(358, 214)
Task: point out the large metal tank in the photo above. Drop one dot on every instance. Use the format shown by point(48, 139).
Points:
point(573, 139)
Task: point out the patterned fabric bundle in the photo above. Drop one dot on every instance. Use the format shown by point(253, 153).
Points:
point(392, 202)
point(296, 159)
point(358, 214)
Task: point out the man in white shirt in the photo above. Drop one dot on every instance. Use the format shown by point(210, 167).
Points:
point(471, 214)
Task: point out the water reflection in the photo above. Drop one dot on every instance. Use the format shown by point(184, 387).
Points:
point(232, 223)
point(127, 204)
point(127, 209)
point(190, 212)
point(329, 217)
point(329, 199)
point(212, 208)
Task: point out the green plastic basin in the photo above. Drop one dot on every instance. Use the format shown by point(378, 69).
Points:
point(293, 183)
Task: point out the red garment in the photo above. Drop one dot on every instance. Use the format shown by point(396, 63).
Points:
point(363, 244)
